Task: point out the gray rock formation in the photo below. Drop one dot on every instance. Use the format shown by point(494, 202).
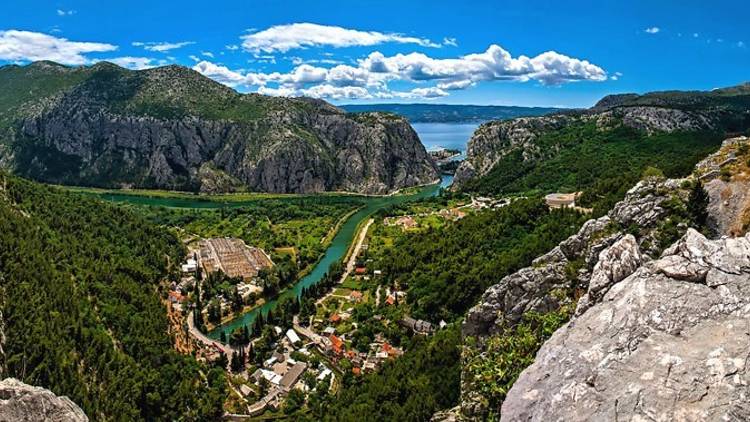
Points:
point(590, 261)
point(729, 198)
point(669, 342)
point(613, 265)
point(173, 128)
point(529, 289)
point(650, 113)
point(21, 402)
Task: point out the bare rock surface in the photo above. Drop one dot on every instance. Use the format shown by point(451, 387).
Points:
point(669, 342)
point(21, 402)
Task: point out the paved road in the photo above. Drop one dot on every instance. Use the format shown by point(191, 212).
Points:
point(353, 258)
point(204, 339)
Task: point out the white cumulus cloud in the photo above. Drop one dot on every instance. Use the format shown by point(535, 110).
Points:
point(652, 30)
point(30, 46)
point(302, 35)
point(370, 77)
point(61, 12)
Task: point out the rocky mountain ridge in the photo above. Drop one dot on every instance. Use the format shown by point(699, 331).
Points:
point(24, 403)
point(607, 270)
point(664, 112)
point(171, 127)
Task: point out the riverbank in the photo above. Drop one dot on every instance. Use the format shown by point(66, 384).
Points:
point(340, 245)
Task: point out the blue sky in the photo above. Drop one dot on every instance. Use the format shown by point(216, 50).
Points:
point(555, 53)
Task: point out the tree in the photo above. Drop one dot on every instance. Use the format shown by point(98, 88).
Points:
point(221, 361)
point(237, 302)
point(698, 206)
point(294, 401)
point(214, 312)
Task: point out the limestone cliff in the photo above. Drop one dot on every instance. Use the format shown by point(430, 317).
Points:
point(20, 402)
point(669, 342)
point(647, 289)
point(660, 112)
point(173, 128)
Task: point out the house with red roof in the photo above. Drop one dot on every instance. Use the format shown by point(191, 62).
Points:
point(337, 345)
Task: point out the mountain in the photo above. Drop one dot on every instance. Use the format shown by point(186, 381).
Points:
point(171, 127)
point(605, 147)
point(449, 113)
point(636, 314)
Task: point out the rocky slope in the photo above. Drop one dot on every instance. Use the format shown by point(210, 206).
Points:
point(720, 110)
point(171, 127)
point(669, 342)
point(20, 402)
point(638, 296)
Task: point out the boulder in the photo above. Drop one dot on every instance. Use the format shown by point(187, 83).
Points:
point(614, 264)
point(669, 342)
point(21, 402)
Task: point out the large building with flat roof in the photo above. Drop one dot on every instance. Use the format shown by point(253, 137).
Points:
point(561, 200)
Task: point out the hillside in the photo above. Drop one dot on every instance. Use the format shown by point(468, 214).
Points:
point(640, 306)
point(449, 113)
point(171, 127)
point(81, 312)
point(603, 150)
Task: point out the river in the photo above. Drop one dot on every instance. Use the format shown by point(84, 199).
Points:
point(452, 136)
point(335, 252)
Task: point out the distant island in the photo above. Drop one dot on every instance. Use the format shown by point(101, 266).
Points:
point(450, 113)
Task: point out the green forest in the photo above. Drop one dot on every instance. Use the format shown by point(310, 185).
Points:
point(603, 164)
point(445, 271)
point(82, 311)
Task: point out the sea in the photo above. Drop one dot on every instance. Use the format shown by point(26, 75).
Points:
point(445, 135)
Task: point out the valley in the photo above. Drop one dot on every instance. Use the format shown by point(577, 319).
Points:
point(174, 248)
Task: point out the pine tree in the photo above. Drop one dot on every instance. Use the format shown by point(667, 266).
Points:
point(698, 206)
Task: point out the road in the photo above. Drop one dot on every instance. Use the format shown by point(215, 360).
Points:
point(204, 339)
point(353, 257)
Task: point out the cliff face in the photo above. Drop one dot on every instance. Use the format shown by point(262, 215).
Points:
point(669, 342)
point(658, 329)
point(21, 402)
point(172, 128)
point(651, 113)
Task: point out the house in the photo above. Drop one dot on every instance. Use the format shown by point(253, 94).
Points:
point(377, 272)
point(335, 318)
point(355, 296)
point(245, 390)
point(417, 325)
point(190, 267)
point(270, 361)
point(356, 370)
point(360, 271)
point(176, 297)
point(561, 200)
point(390, 300)
point(337, 345)
point(292, 336)
point(323, 374)
point(292, 375)
point(270, 376)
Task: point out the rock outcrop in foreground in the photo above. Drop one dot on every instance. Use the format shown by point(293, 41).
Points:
point(21, 402)
point(669, 342)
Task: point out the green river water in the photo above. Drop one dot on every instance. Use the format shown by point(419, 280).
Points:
point(335, 252)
